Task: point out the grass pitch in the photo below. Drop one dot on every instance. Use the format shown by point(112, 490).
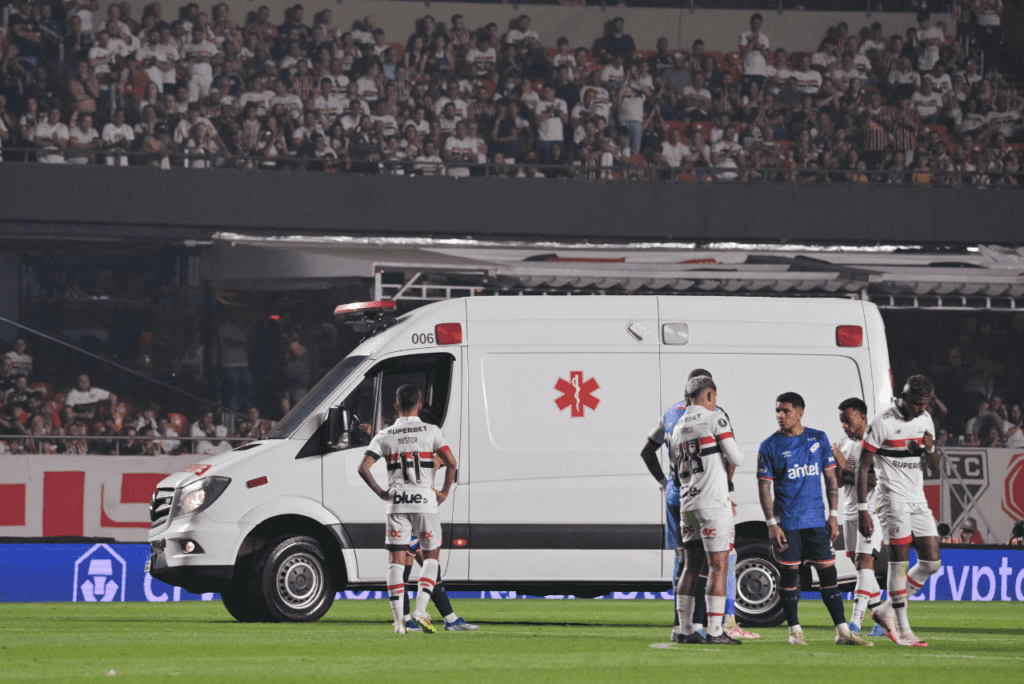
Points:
point(519, 641)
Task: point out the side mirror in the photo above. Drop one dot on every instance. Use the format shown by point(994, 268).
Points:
point(338, 420)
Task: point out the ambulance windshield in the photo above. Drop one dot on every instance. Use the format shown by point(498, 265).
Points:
point(315, 398)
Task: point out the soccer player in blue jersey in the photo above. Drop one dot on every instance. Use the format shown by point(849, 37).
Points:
point(673, 540)
point(792, 462)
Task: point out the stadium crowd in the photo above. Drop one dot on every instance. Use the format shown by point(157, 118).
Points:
point(202, 90)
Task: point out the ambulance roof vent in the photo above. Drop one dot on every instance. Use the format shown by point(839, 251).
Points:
point(367, 317)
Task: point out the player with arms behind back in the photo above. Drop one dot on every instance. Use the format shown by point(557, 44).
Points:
point(795, 459)
point(894, 443)
point(701, 442)
point(409, 447)
point(862, 550)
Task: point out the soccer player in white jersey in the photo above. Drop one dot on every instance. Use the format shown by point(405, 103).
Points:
point(702, 444)
point(862, 550)
point(409, 447)
point(662, 433)
point(894, 443)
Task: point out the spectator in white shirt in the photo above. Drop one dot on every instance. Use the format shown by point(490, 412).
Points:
point(83, 140)
point(21, 363)
point(52, 137)
point(210, 435)
point(85, 399)
point(117, 135)
point(754, 48)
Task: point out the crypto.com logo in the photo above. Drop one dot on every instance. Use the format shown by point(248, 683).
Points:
point(100, 570)
point(1013, 489)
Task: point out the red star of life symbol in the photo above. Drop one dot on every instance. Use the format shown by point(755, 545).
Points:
point(577, 393)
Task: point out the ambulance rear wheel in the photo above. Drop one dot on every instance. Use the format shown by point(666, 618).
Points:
point(295, 579)
point(758, 585)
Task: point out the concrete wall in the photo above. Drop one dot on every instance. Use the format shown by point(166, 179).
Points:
point(147, 202)
point(720, 29)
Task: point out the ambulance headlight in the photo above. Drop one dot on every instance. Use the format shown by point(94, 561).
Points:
point(199, 496)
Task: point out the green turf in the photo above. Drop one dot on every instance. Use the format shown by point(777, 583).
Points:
point(519, 641)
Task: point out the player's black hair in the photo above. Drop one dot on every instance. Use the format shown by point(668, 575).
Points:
point(918, 386)
point(791, 398)
point(698, 371)
point(856, 403)
point(407, 397)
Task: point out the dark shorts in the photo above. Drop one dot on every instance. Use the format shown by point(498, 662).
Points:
point(807, 545)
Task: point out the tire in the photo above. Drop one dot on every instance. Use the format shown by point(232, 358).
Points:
point(758, 584)
point(242, 598)
point(294, 580)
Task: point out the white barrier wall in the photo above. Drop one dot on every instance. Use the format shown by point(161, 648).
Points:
point(81, 496)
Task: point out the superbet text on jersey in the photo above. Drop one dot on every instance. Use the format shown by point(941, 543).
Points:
point(898, 445)
point(698, 442)
point(408, 447)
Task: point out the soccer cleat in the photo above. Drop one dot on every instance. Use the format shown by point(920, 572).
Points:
point(722, 639)
point(459, 625)
point(738, 632)
point(694, 638)
point(852, 640)
point(411, 626)
point(854, 627)
point(909, 639)
point(703, 633)
point(877, 631)
point(423, 620)
point(399, 628)
point(797, 639)
point(886, 617)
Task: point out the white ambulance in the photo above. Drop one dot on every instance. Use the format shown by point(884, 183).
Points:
point(546, 403)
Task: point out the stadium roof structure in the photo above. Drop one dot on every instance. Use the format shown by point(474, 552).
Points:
point(982, 277)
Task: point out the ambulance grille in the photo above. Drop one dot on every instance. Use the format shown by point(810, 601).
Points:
point(160, 507)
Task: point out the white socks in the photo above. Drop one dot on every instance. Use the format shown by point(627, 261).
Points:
point(716, 609)
point(428, 573)
point(684, 608)
point(919, 574)
point(897, 586)
point(867, 594)
point(396, 590)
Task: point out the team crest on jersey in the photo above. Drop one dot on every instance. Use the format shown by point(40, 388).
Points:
point(577, 394)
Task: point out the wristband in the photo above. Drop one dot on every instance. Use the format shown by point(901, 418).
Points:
point(833, 513)
point(772, 521)
point(930, 451)
point(862, 507)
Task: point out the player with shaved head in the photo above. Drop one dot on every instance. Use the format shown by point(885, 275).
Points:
point(661, 434)
point(894, 443)
point(703, 448)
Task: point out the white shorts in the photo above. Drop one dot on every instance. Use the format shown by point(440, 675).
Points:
point(904, 521)
point(857, 543)
point(402, 527)
point(712, 526)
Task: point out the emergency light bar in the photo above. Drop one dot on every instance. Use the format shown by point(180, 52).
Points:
point(360, 308)
point(367, 317)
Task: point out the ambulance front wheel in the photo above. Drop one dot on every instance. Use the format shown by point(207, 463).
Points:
point(758, 584)
point(294, 579)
